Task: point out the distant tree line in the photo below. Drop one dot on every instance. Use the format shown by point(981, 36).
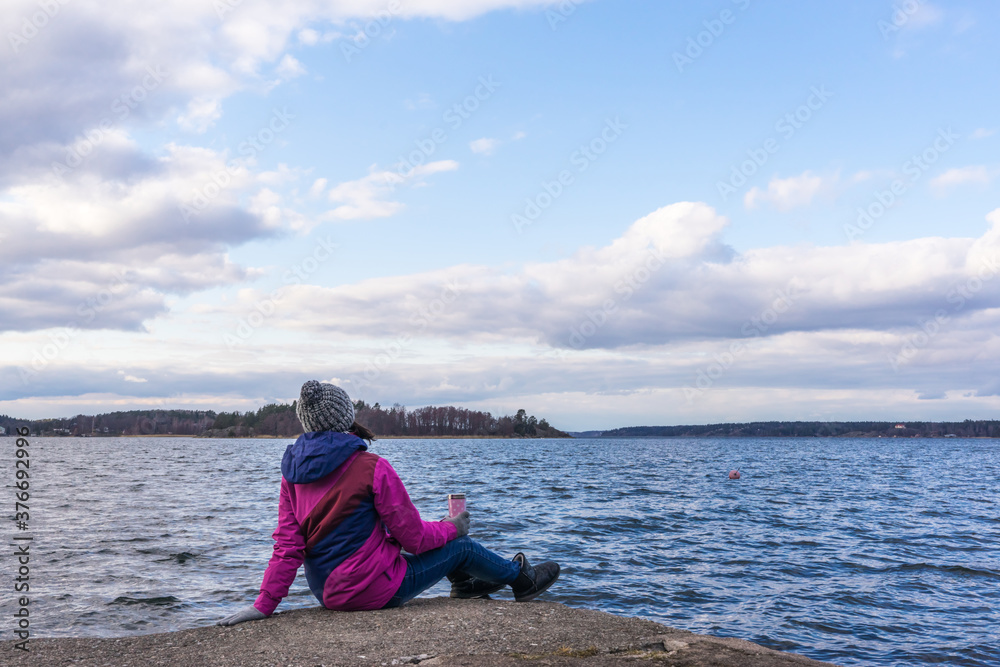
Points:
point(449, 420)
point(966, 429)
point(279, 420)
point(131, 422)
point(274, 419)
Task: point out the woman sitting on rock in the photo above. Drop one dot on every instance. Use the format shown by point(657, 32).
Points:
point(344, 513)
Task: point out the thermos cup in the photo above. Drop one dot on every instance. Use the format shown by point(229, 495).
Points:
point(456, 504)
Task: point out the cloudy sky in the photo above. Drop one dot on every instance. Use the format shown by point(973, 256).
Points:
point(609, 213)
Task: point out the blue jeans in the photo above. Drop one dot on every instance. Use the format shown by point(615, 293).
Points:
point(460, 555)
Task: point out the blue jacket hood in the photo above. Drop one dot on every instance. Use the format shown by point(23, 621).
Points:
point(315, 455)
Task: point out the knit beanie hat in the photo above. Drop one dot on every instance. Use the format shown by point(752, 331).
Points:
point(324, 407)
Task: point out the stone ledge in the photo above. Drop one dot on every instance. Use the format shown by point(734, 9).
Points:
point(430, 632)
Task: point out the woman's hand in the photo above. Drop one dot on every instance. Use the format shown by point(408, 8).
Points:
point(246, 614)
point(461, 522)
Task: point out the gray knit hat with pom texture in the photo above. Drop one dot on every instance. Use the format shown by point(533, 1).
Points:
point(324, 407)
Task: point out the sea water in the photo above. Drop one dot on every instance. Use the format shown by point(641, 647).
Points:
point(857, 551)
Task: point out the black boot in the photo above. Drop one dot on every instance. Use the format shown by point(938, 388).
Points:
point(533, 581)
point(466, 587)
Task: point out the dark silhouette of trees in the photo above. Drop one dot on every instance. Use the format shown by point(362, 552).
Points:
point(966, 429)
point(448, 420)
point(279, 420)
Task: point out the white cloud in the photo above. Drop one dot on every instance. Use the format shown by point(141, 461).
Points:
point(925, 15)
point(283, 174)
point(266, 205)
point(201, 114)
point(668, 279)
point(484, 146)
point(289, 67)
point(788, 193)
point(962, 175)
point(309, 37)
point(68, 236)
point(423, 101)
point(982, 133)
point(368, 197)
point(317, 187)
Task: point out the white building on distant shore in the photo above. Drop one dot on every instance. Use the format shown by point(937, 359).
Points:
point(3, 431)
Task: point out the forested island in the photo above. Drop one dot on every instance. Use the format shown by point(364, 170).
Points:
point(969, 428)
point(279, 420)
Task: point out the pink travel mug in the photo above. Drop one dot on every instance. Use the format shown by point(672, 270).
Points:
point(456, 504)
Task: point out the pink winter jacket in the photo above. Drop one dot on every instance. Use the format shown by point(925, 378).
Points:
point(345, 514)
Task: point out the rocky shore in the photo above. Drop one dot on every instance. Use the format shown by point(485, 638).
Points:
point(429, 632)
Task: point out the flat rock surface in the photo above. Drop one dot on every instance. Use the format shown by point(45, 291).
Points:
point(429, 632)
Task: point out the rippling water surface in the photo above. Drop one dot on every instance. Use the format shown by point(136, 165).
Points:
point(866, 551)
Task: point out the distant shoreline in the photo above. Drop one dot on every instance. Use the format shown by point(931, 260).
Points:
point(293, 437)
point(514, 437)
point(825, 437)
point(280, 420)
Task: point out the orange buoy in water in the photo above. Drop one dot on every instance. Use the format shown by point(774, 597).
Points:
point(734, 474)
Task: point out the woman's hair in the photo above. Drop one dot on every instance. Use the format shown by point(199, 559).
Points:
point(362, 432)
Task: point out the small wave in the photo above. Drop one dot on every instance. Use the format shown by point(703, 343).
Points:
point(156, 602)
point(180, 558)
point(950, 569)
point(960, 570)
point(827, 628)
